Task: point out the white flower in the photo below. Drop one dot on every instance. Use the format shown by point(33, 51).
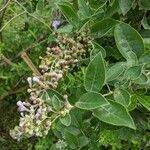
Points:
point(29, 79)
point(38, 114)
point(59, 76)
point(61, 144)
point(36, 79)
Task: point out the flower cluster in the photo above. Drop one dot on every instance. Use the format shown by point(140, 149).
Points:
point(61, 144)
point(34, 119)
point(36, 114)
point(63, 56)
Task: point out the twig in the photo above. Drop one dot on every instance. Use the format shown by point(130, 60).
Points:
point(8, 61)
point(11, 20)
point(28, 61)
point(19, 81)
point(48, 26)
point(2, 16)
point(5, 5)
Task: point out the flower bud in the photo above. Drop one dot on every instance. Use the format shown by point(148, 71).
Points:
point(48, 49)
point(29, 79)
point(36, 79)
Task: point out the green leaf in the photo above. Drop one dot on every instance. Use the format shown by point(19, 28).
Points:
point(66, 120)
point(91, 100)
point(122, 96)
point(115, 71)
point(124, 84)
point(45, 96)
point(56, 103)
point(100, 28)
point(95, 74)
point(97, 48)
point(144, 4)
point(75, 141)
point(83, 141)
point(128, 39)
point(131, 59)
point(112, 9)
point(146, 42)
point(52, 92)
point(73, 130)
point(84, 9)
point(40, 6)
point(69, 12)
point(145, 101)
point(71, 140)
point(145, 23)
point(125, 5)
point(115, 114)
point(133, 103)
point(111, 2)
point(142, 79)
point(65, 29)
point(145, 59)
point(97, 4)
point(134, 72)
point(48, 96)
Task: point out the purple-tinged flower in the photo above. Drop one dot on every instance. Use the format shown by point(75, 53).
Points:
point(21, 106)
point(55, 24)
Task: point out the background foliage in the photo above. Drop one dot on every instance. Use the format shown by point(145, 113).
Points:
point(120, 31)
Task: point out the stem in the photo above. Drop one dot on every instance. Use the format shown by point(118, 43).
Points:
point(7, 60)
point(28, 61)
point(48, 26)
point(148, 73)
point(2, 13)
point(55, 119)
point(108, 88)
point(107, 94)
point(5, 6)
point(40, 21)
point(11, 20)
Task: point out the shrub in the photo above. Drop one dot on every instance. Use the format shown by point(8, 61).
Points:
point(88, 71)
